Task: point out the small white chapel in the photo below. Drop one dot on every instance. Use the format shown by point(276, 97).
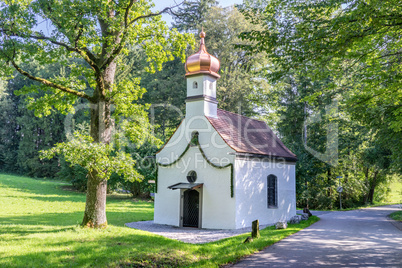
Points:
point(221, 170)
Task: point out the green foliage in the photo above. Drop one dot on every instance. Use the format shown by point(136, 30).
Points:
point(316, 177)
point(322, 51)
point(23, 134)
point(44, 232)
point(336, 35)
point(38, 134)
point(131, 118)
point(191, 14)
point(396, 190)
point(354, 44)
point(76, 35)
point(8, 131)
point(148, 32)
point(74, 174)
point(146, 167)
point(241, 88)
point(166, 90)
point(77, 25)
point(396, 215)
point(99, 158)
point(88, 41)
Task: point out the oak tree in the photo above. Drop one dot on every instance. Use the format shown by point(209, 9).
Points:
point(98, 32)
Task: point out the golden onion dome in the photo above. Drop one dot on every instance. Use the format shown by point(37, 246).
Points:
point(202, 62)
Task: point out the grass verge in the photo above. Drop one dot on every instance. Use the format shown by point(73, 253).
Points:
point(397, 215)
point(375, 204)
point(39, 228)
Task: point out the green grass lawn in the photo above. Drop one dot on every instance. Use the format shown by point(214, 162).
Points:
point(395, 196)
point(39, 228)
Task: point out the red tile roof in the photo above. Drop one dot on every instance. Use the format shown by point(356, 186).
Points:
point(249, 136)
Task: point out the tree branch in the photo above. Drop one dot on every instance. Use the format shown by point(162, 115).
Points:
point(77, 38)
point(51, 84)
point(127, 23)
point(166, 9)
point(85, 53)
point(130, 5)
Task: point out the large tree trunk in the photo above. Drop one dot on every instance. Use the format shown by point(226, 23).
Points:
point(372, 188)
point(95, 206)
point(101, 126)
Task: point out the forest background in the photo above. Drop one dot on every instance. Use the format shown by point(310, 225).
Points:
point(368, 144)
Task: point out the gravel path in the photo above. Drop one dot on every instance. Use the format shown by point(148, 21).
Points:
point(186, 234)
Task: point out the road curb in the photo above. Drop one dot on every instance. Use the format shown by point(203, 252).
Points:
point(397, 224)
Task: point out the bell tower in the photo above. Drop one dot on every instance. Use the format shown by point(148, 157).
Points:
point(201, 75)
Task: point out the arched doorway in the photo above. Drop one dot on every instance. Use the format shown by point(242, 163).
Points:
point(191, 208)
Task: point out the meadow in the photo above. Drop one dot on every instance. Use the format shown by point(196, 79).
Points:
point(39, 227)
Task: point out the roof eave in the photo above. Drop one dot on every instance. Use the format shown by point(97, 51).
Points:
point(272, 157)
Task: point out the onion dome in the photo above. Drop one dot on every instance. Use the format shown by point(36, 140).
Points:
point(202, 62)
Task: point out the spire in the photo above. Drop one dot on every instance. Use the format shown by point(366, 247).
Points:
point(202, 62)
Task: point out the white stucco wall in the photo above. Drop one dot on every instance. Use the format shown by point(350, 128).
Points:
point(251, 192)
point(206, 85)
point(218, 207)
point(201, 108)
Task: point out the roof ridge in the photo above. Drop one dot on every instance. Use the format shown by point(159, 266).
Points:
point(244, 116)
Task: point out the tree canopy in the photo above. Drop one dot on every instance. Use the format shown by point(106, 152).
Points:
point(98, 33)
point(191, 14)
point(354, 45)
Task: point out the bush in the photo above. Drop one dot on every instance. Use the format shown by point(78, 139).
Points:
point(77, 175)
point(146, 166)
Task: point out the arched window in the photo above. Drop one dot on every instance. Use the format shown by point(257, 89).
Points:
point(195, 84)
point(272, 191)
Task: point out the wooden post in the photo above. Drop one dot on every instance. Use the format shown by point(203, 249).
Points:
point(255, 229)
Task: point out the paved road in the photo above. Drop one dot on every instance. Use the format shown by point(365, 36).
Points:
point(358, 238)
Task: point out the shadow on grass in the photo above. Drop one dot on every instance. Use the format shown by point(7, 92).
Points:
point(127, 249)
point(15, 229)
point(59, 244)
point(48, 191)
point(49, 219)
point(74, 218)
point(55, 191)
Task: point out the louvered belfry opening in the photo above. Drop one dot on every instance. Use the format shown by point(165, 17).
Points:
point(191, 206)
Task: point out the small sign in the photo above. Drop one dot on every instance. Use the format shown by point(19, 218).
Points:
point(151, 181)
point(339, 189)
point(339, 177)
